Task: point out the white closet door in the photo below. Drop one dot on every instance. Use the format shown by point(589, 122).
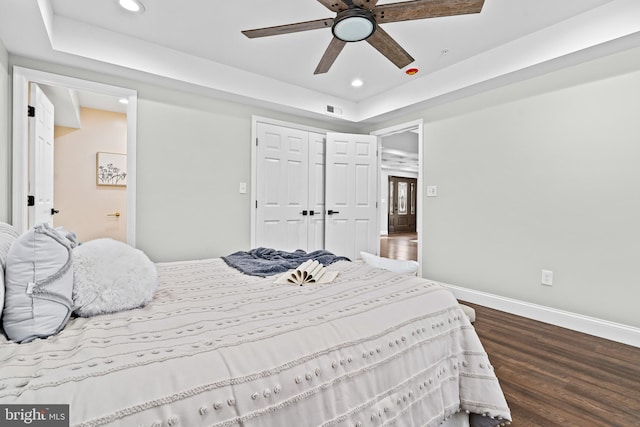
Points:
point(282, 193)
point(316, 192)
point(351, 194)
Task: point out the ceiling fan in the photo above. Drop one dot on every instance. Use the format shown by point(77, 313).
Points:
point(358, 20)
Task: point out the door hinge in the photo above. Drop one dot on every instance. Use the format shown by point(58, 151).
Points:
point(31, 111)
point(31, 201)
point(256, 142)
point(256, 204)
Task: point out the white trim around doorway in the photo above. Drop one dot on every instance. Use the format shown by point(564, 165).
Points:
point(404, 127)
point(20, 187)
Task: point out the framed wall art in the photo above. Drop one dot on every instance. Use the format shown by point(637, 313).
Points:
point(111, 169)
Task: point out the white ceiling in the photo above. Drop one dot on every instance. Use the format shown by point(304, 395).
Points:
point(68, 102)
point(198, 43)
point(400, 151)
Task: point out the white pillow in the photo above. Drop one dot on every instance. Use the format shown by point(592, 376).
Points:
point(395, 265)
point(1, 293)
point(111, 276)
point(39, 281)
point(8, 235)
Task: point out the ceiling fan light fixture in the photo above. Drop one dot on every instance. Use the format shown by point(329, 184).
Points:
point(353, 25)
point(131, 5)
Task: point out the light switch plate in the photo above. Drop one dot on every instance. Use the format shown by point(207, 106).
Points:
point(547, 278)
point(243, 188)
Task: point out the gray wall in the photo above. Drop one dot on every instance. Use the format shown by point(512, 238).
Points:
point(192, 152)
point(548, 181)
point(539, 175)
point(5, 152)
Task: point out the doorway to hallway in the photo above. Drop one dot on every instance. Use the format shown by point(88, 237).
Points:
point(400, 216)
point(22, 77)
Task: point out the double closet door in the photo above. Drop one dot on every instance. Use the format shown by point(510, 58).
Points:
point(290, 188)
point(316, 191)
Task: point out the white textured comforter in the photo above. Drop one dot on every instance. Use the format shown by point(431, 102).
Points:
point(219, 348)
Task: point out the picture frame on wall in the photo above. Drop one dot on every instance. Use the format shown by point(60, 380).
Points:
point(111, 169)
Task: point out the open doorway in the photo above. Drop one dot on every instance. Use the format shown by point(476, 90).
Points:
point(90, 174)
point(400, 187)
point(401, 240)
point(92, 119)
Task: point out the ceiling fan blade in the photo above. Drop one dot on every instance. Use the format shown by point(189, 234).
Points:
point(365, 4)
point(389, 48)
point(289, 28)
point(421, 9)
point(330, 55)
point(336, 5)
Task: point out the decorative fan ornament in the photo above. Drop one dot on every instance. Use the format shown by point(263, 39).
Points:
point(358, 20)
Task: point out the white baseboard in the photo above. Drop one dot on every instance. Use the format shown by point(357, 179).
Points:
point(589, 325)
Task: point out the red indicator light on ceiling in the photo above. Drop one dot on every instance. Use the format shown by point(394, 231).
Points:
point(412, 71)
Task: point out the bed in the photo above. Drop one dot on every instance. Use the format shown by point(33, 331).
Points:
point(219, 348)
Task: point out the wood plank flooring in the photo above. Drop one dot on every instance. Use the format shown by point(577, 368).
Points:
point(553, 376)
point(402, 246)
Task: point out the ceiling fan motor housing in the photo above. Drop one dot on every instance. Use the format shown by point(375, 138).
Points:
point(354, 24)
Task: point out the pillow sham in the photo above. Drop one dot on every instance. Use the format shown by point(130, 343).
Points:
point(39, 282)
point(395, 265)
point(111, 276)
point(8, 235)
point(1, 294)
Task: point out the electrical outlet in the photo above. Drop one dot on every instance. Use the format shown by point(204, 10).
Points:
point(547, 278)
point(432, 191)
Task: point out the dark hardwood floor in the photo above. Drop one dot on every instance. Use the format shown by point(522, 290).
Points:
point(402, 246)
point(553, 376)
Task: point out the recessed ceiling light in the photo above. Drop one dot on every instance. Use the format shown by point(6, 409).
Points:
point(124, 101)
point(357, 83)
point(132, 5)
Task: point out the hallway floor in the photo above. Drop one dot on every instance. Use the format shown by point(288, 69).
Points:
point(402, 246)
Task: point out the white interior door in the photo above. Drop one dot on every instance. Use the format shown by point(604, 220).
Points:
point(282, 193)
point(351, 180)
point(316, 219)
point(41, 134)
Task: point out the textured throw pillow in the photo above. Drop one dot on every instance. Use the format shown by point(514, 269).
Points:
point(1, 291)
point(111, 276)
point(8, 235)
point(395, 265)
point(39, 281)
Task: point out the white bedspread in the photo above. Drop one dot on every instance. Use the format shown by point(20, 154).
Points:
point(219, 348)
